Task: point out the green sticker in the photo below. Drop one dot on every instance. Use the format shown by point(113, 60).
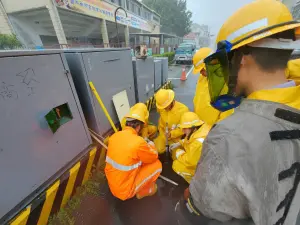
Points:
point(58, 116)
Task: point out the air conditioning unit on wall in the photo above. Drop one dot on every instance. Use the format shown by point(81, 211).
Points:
point(141, 52)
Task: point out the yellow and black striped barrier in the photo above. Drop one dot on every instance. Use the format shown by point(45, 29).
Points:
point(151, 102)
point(59, 193)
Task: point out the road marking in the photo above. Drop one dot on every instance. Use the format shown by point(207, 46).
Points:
point(190, 72)
point(177, 78)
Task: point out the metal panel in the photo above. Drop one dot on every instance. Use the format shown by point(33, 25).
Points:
point(30, 154)
point(165, 68)
point(121, 104)
point(158, 74)
point(143, 70)
point(111, 72)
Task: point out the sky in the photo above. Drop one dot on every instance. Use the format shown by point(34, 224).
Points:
point(214, 12)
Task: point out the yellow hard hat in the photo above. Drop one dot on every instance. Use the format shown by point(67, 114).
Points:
point(136, 114)
point(189, 120)
point(198, 59)
point(164, 98)
point(143, 107)
point(257, 21)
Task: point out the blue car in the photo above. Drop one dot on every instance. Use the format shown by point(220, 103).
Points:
point(184, 53)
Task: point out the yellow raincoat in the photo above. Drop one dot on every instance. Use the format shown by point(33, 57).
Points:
point(185, 165)
point(202, 106)
point(293, 71)
point(288, 96)
point(173, 119)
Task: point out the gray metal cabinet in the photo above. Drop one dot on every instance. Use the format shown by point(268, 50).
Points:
point(158, 74)
point(143, 70)
point(164, 69)
point(110, 70)
point(32, 85)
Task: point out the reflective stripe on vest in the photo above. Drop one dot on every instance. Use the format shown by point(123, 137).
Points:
point(147, 179)
point(122, 167)
point(200, 140)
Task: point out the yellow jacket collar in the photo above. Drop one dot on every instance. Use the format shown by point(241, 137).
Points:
point(288, 96)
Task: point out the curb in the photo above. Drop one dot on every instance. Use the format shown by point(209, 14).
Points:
point(58, 194)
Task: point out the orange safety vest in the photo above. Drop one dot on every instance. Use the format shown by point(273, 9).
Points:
point(127, 153)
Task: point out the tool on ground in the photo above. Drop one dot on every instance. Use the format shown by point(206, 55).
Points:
point(168, 180)
point(102, 105)
point(183, 74)
point(96, 135)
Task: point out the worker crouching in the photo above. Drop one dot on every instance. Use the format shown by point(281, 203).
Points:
point(149, 131)
point(170, 112)
point(132, 165)
point(188, 155)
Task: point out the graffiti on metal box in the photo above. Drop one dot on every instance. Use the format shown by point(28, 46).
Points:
point(7, 92)
point(29, 79)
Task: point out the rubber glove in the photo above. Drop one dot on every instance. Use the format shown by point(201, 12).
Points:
point(175, 145)
point(149, 142)
point(179, 153)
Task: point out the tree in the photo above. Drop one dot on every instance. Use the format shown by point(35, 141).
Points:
point(175, 18)
point(9, 41)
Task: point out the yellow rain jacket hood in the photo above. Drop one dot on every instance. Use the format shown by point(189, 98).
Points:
point(202, 106)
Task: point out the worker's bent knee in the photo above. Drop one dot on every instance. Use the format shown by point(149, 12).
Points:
point(158, 164)
point(148, 174)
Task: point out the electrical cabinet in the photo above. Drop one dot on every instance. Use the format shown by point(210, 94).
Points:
point(143, 70)
point(158, 74)
point(42, 125)
point(111, 72)
point(164, 68)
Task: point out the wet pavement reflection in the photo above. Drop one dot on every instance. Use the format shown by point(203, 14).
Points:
point(156, 210)
point(160, 208)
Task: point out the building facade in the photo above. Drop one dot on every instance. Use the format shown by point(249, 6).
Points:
point(199, 33)
point(76, 23)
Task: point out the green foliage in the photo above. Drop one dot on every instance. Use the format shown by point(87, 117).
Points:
point(170, 56)
point(175, 18)
point(9, 42)
point(90, 188)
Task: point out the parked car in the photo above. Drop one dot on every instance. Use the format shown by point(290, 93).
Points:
point(184, 53)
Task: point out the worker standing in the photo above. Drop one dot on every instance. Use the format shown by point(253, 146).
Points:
point(149, 131)
point(202, 106)
point(170, 112)
point(132, 165)
point(250, 163)
point(189, 152)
